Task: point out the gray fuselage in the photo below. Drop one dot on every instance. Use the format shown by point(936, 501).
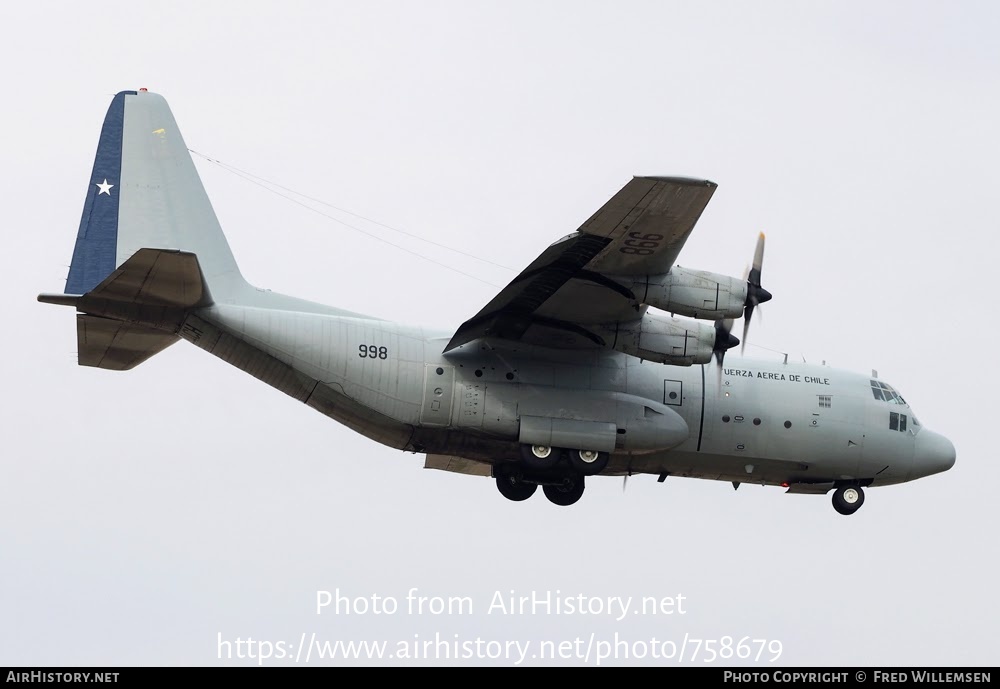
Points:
point(756, 421)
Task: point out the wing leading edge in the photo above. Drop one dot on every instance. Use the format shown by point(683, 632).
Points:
point(639, 232)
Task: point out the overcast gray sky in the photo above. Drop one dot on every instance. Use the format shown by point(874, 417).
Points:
point(144, 513)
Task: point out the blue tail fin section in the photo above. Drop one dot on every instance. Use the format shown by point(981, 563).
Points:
point(97, 241)
point(145, 193)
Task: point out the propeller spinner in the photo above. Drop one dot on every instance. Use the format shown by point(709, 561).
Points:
point(724, 339)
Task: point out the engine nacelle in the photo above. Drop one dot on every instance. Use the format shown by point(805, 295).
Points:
point(695, 293)
point(664, 339)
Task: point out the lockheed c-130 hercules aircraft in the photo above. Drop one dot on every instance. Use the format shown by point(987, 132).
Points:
point(596, 360)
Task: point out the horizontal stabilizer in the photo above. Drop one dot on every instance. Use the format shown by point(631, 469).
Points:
point(154, 277)
point(137, 310)
point(115, 345)
point(459, 465)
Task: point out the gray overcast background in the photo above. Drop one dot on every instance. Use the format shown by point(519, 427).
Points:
point(143, 513)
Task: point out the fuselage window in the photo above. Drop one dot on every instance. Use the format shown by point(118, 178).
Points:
point(893, 421)
point(902, 422)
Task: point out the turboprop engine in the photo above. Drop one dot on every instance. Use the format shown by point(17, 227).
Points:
point(696, 293)
point(669, 339)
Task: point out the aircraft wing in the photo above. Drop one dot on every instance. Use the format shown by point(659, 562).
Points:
point(638, 232)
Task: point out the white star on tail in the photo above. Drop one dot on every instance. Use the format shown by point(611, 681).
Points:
point(104, 187)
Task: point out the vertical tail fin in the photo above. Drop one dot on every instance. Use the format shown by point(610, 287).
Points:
point(150, 249)
point(145, 192)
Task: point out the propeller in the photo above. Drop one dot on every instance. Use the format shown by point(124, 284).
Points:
point(724, 340)
point(756, 294)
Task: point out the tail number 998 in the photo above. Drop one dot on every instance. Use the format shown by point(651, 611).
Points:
point(373, 352)
point(641, 244)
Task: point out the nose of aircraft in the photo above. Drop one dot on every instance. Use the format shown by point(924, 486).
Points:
point(932, 454)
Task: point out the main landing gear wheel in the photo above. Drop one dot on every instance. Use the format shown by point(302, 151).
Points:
point(514, 488)
point(848, 499)
point(565, 493)
point(539, 457)
point(588, 462)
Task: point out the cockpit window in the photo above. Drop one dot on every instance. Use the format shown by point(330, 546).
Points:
point(885, 392)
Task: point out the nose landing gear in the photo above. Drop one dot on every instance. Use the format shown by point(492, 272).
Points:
point(848, 499)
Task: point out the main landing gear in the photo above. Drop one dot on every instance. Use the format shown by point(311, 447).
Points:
point(561, 473)
point(848, 499)
point(545, 458)
point(566, 492)
point(513, 487)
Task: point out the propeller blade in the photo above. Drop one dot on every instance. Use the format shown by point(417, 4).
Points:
point(756, 295)
point(747, 314)
point(758, 254)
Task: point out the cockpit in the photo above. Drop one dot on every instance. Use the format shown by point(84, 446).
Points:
point(884, 392)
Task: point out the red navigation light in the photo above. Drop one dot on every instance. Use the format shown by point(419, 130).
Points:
point(784, 484)
point(143, 89)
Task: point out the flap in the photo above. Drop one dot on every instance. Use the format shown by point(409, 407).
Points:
point(459, 465)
